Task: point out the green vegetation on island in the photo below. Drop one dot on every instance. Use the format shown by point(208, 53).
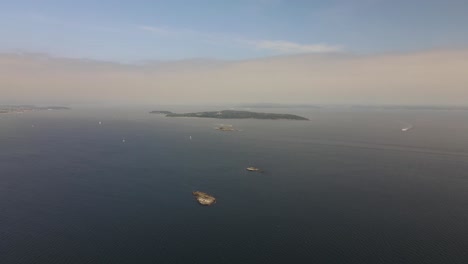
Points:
point(233, 114)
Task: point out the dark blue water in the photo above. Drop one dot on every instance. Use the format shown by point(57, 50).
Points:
point(346, 187)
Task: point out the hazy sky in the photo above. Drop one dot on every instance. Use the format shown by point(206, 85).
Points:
point(149, 51)
point(432, 77)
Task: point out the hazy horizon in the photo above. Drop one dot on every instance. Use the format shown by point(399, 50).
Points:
point(250, 51)
point(435, 77)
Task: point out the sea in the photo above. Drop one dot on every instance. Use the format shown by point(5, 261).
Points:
point(114, 185)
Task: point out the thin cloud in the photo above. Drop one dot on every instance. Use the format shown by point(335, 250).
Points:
point(291, 47)
point(156, 30)
point(36, 18)
point(174, 32)
point(277, 46)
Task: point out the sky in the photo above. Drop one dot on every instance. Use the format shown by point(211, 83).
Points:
point(245, 51)
point(141, 30)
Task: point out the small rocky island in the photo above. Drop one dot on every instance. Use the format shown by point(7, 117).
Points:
point(226, 128)
point(204, 198)
point(233, 114)
point(253, 169)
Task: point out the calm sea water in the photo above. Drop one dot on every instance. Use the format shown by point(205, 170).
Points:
point(345, 187)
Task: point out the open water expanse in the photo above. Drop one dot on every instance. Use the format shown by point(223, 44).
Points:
point(348, 186)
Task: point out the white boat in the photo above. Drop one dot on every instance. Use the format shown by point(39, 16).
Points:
point(406, 128)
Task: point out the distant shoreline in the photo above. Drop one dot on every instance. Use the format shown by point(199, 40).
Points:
point(28, 108)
